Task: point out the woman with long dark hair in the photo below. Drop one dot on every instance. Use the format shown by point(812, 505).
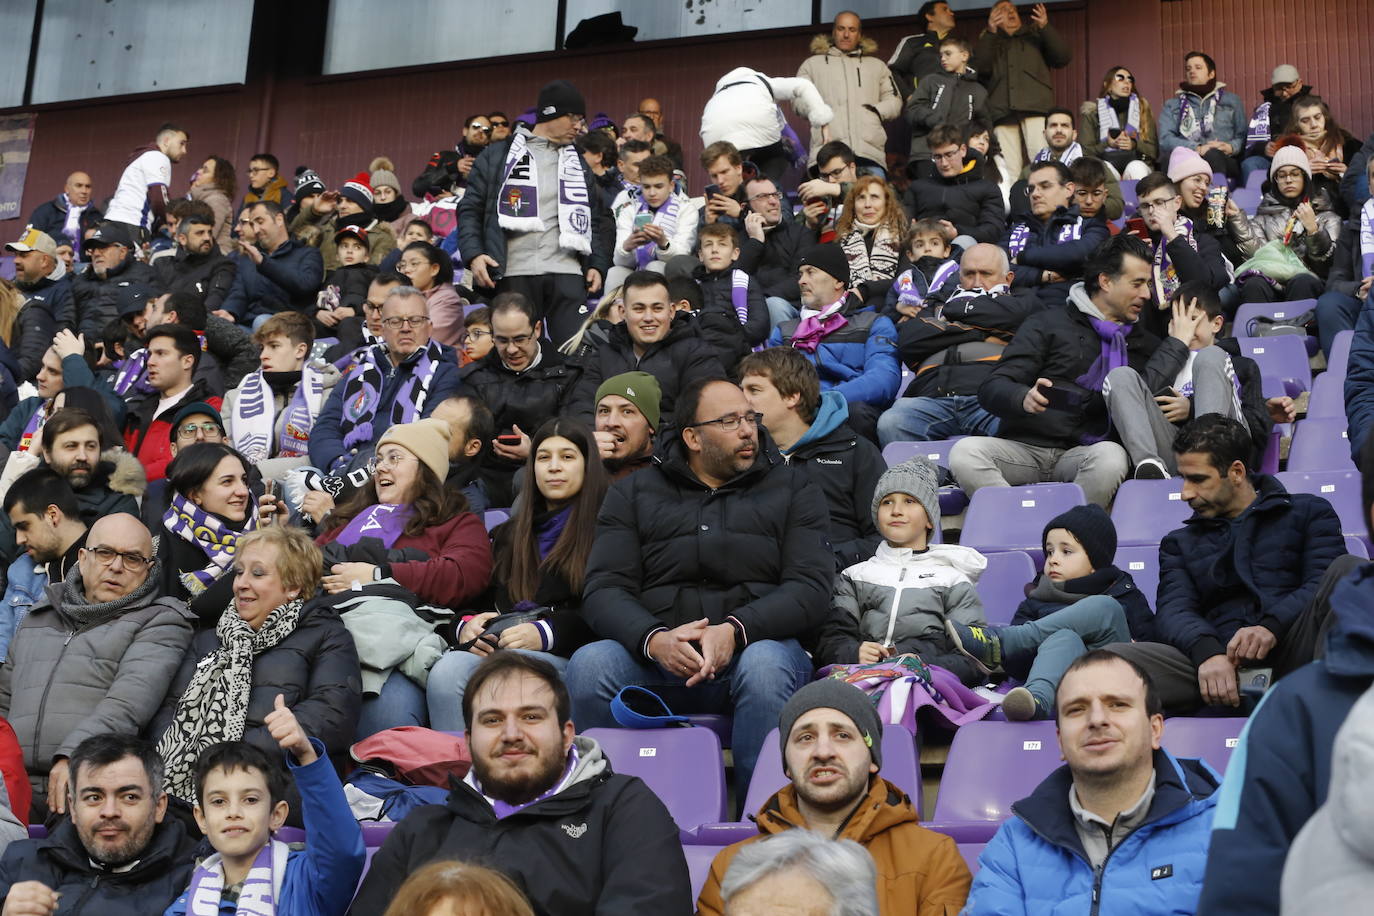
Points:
point(216, 184)
point(1119, 127)
point(430, 270)
point(540, 563)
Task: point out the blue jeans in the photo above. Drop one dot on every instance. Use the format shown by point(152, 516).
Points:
point(401, 702)
point(1252, 164)
point(928, 419)
point(1059, 638)
point(448, 679)
point(780, 310)
point(754, 687)
point(1336, 312)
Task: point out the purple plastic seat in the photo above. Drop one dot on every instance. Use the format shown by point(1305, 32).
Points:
point(374, 833)
point(1339, 357)
point(1146, 510)
point(681, 765)
point(1142, 562)
point(1284, 356)
point(1340, 488)
point(1356, 547)
point(699, 859)
point(1328, 396)
point(1248, 199)
point(716, 722)
point(1321, 444)
point(1256, 178)
point(1128, 194)
point(1002, 586)
point(1013, 518)
point(1269, 461)
point(1212, 739)
point(493, 517)
point(936, 450)
point(990, 766)
point(1289, 310)
point(971, 852)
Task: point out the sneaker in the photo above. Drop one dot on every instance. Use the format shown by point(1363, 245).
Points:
point(979, 643)
point(1020, 705)
point(1151, 469)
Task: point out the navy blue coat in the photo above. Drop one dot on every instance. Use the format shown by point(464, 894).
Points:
point(1280, 772)
point(1274, 553)
point(1042, 252)
point(1122, 587)
point(288, 278)
point(1359, 381)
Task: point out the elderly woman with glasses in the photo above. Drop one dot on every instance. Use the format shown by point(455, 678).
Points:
point(430, 271)
point(1119, 126)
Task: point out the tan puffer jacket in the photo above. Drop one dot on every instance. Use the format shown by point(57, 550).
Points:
point(859, 87)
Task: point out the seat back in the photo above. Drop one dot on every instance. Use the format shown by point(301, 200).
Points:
point(1247, 199)
point(1340, 488)
point(1356, 547)
point(1002, 586)
point(971, 852)
point(1212, 739)
point(699, 859)
point(1328, 396)
point(936, 450)
point(1284, 357)
point(991, 765)
point(1339, 357)
point(493, 517)
point(1142, 562)
point(1279, 311)
point(681, 765)
point(1321, 444)
point(1013, 518)
point(1146, 510)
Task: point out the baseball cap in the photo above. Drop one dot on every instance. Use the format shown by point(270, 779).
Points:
point(109, 234)
point(34, 240)
point(1284, 74)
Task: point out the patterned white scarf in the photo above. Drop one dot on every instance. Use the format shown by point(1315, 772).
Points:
point(1107, 120)
point(255, 414)
point(517, 207)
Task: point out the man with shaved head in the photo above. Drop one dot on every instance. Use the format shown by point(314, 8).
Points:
point(94, 656)
point(68, 215)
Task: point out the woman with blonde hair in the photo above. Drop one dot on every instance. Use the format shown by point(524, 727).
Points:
point(458, 889)
point(608, 312)
point(871, 230)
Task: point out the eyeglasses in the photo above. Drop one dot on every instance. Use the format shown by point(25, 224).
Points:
point(485, 130)
point(1123, 77)
point(947, 155)
point(410, 321)
point(732, 422)
point(190, 429)
point(260, 168)
point(389, 460)
point(495, 124)
point(512, 341)
point(834, 174)
point(1149, 206)
point(768, 195)
point(133, 562)
point(476, 334)
point(578, 119)
point(371, 306)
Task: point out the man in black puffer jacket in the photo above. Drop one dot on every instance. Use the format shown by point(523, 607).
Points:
point(959, 193)
point(197, 267)
point(96, 288)
point(718, 544)
point(140, 870)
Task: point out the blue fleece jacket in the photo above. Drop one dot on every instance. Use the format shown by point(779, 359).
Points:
point(1036, 864)
point(1280, 771)
point(320, 879)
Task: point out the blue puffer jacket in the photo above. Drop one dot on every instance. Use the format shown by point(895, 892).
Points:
point(1036, 865)
point(1280, 772)
point(858, 360)
point(1359, 380)
point(1217, 575)
point(320, 879)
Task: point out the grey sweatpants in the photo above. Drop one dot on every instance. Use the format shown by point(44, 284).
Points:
point(986, 461)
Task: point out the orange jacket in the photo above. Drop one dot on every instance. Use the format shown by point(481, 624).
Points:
point(920, 872)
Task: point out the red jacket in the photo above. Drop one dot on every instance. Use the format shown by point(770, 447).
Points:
point(12, 768)
point(459, 564)
point(148, 437)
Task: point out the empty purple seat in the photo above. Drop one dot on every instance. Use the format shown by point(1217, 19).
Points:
point(699, 859)
point(1211, 739)
point(971, 852)
point(1340, 488)
point(1339, 357)
point(1013, 518)
point(1002, 586)
point(1146, 510)
point(937, 451)
point(1284, 357)
point(1248, 199)
point(1328, 396)
point(1321, 444)
point(1282, 311)
point(1142, 562)
point(990, 766)
point(1128, 194)
point(1269, 461)
point(493, 517)
point(1256, 179)
point(681, 765)
point(1356, 547)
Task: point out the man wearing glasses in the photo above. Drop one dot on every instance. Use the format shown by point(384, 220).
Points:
point(532, 220)
point(771, 249)
point(959, 193)
point(1181, 253)
point(397, 381)
point(448, 169)
point(1271, 118)
point(822, 196)
point(707, 567)
point(94, 656)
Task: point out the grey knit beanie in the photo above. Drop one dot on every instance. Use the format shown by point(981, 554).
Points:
point(832, 694)
point(916, 477)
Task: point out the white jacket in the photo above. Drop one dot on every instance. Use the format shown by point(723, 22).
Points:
point(682, 240)
point(744, 109)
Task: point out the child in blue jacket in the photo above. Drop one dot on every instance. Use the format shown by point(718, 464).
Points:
point(1080, 602)
point(239, 804)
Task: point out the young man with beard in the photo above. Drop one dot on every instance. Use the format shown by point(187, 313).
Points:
point(197, 266)
point(119, 855)
point(832, 752)
point(541, 805)
point(627, 415)
point(48, 529)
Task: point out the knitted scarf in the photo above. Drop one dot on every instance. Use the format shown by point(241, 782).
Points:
point(1108, 120)
point(1258, 130)
point(260, 890)
point(739, 295)
point(1021, 233)
point(1367, 238)
point(1198, 111)
point(877, 263)
point(517, 205)
point(254, 416)
point(363, 391)
point(1071, 591)
point(84, 613)
point(1068, 157)
point(1167, 281)
point(210, 533)
point(912, 286)
point(665, 218)
point(214, 706)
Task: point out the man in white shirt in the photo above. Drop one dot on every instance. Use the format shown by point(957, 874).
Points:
point(140, 199)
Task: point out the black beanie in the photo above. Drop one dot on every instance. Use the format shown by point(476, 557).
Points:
point(557, 99)
point(832, 694)
point(1093, 528)
point(829, 258)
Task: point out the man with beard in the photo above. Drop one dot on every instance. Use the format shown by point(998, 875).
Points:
point(832, 751)
point(48, 305)
point(627, 415)
point(708, 566)
point(275, 272)
point(118, 854)
point(541, 805)
point(197, 266)
point(1205, 117)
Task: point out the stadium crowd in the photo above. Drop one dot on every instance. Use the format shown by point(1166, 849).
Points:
point(568, 433)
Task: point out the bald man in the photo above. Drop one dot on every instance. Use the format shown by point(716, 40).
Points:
point(651, 108)
point(94, 656)
point(663, 145)
point(68, 215)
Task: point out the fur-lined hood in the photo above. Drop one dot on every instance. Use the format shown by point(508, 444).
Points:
point(127, 475)
point(825, 44)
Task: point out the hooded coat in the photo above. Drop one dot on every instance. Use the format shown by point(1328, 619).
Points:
point(744, 111)
point(860, 90)
point(920, 872)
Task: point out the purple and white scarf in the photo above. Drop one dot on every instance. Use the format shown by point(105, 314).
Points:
point(217, 540)
point(261, 889)
point(810, 331)
point(1020, 235)
point(383, 522)
point(363, 391)
point(132, 377)
point(1108, 121)
point(517, 206)
point(1198, 116)
point(254, 416)
point(739, 295)
point(912, 288)
point(1068, 157)
point(1259, 130)
point(1167, 281)
point(665, 218)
